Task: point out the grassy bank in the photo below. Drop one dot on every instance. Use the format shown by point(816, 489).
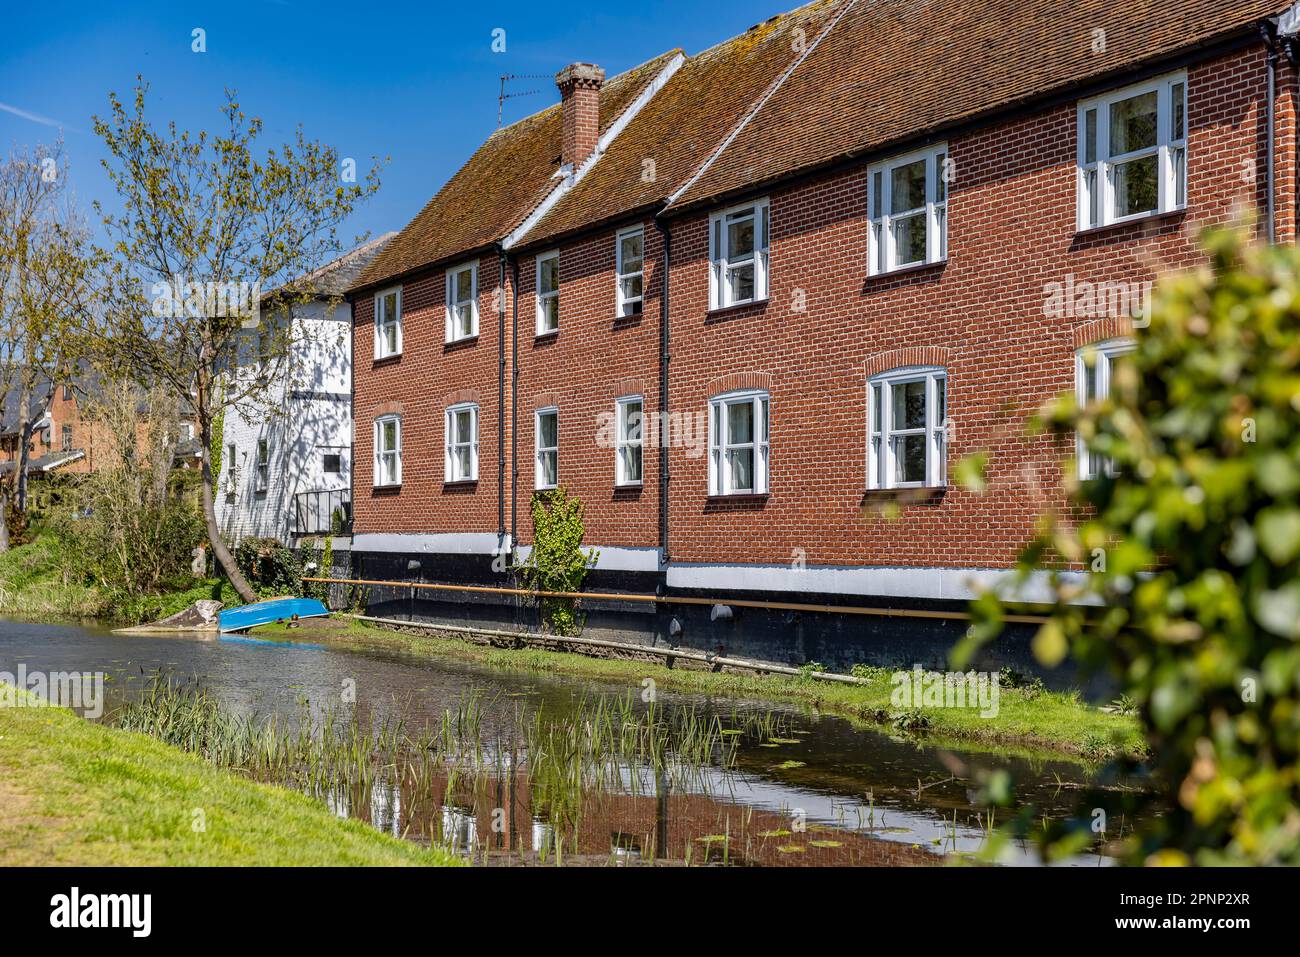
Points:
point(1035, 720)
point(35, 584)
point(75, 792)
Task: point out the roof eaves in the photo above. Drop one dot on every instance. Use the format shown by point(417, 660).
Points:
point(762, 100)
point(520, 232)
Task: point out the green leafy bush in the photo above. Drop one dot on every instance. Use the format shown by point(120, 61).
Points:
point(1191, 554)
point(557, 562)
point(271, 567)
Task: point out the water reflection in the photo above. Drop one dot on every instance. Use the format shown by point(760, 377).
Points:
point(822, 792)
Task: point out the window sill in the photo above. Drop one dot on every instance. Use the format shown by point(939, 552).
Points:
point(937, 266)
point(460, 483)
point(628, 486)
point(909, 495)
point(718, 312)
point(737, 496)
point(386, 489)
point(546, 336)
point(1169, 215)
point(387, 360)
point(462, 341)
point(545, 488)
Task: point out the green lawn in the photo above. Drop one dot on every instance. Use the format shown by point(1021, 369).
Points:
point(75, 792)
point(1047, 721)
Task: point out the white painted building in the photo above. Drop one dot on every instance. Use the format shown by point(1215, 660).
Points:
point(286, 462)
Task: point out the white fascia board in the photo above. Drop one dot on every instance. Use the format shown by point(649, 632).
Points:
point(448, 543)
point(938, 584)
point(608, 137)
point(615, 558)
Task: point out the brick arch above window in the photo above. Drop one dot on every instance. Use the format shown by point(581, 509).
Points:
point(736, 381)
point(908, 356)
point(1098, 330)
point(546, 400)
point(462, 396)
point(629, 387)
point(386, 408)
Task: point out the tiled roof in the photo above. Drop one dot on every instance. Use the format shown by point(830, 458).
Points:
point(499, 186)
point(893, 70)
point(686, 121)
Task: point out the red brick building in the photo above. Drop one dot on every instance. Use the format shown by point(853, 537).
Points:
point(889, 233)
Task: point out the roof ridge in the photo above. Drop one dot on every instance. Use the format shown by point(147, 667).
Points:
point(761, 102)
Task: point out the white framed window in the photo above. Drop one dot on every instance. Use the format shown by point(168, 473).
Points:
point(630, 268)
point(738, 251)
point(548, 292)
point(462, 302)
point(630, 443)
point(388, 323)
point(1133, 152)
point(906, 414)
point(738, 443)
point(462, 443)
point(547, 431)
point(388, 450)
point(232, 468)
point(262, 466)
point(907, 203)
point(1093, 365)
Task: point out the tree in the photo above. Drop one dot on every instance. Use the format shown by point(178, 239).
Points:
point(1190, 553)
point(46, 288)
point(208, 223)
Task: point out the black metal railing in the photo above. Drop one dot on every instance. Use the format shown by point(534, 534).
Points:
point(323, 512)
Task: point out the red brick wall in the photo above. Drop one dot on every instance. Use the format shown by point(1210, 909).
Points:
point(1011, 232)
point(419, 384)
point(595, 358)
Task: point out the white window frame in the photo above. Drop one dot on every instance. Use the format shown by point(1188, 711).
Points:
point(721, 447)
point(381, 452)
point(1096, 177)
point(543, 298)
point(451, 471)
point(232, 470)
point(539, 449)
point(262, 466)
point(623, 444)
point(1102, 356)
point(453, 332)
point(628, 305)
point(882, 458)
point(383, 321)
point(721, 264)
point(882, 252)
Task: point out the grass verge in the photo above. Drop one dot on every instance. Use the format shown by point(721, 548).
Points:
point(1042, 720)
point(73, 792)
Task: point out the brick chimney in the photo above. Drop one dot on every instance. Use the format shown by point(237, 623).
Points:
point(580, 85)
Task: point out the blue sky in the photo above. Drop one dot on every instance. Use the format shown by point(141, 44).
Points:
point(417, 82)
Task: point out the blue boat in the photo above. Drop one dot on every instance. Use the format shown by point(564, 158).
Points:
point(266, 612)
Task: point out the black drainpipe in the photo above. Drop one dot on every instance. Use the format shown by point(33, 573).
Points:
point(501, 398)
point(665, 357)
point(1267, 32)
point(514, 405)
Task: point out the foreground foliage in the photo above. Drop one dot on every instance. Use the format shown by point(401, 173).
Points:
point(1192, 548)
